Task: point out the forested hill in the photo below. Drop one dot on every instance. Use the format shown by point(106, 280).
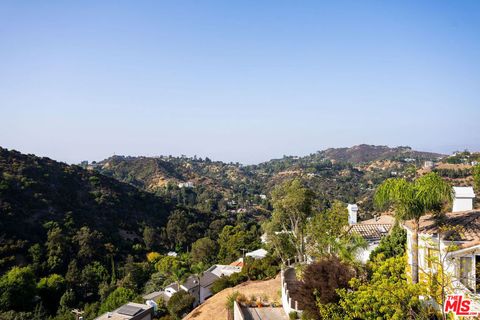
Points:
point(73, 236)
point(367, 153)
point(346, 174)
point(152, 172)
point(38, 194)
point(356, 155)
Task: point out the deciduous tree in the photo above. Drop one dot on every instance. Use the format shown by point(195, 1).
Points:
point(204, 250)
point(292, 205)
point(17, 289)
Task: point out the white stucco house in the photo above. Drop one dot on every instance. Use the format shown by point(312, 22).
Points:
point(452, 244)
point(199, 286)
point(372, 230)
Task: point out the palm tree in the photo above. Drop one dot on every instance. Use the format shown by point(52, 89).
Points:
point(412, 200)
point(179, 275)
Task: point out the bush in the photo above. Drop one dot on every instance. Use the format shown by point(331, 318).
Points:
point(320, 282)
point(370, 299)
point(231, 298)
point(180, 304)
point(17, 289)
point(391, 246)
point(220, 284)
point(293, 315)
point(254, 269)
point(116, 299)
point(260, 269)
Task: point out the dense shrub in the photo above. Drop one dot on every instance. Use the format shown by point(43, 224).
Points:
point(392, 245)
point(253, 269)
point(321, 280)
point(17, 289)
point(261, 269)
point(180, 304)
point(116, 299)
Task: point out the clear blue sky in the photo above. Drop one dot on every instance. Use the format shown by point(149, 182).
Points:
point(237, 80)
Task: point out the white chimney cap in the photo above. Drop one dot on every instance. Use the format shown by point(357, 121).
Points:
point(353, 207)
point(464, 192)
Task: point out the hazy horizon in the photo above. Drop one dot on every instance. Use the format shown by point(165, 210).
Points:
point(237, 82)
point(153, 155)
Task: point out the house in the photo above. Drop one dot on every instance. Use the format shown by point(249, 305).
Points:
point(456, 252)
point(192, 286)
point(428, 164)
point(170, 290)
point(130, 311)
point(450, 243)
point(206, 281)
point(200, 287)
point(188, 184)
point(257, 254)
point(372, 230)
point(213, 273)
point(222, 270)
point(237, 263)
point(155, 296)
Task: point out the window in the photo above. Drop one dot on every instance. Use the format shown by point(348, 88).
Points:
point(466, 275)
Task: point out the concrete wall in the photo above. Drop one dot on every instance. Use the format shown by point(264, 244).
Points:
point(288, 303)
point(237, 312)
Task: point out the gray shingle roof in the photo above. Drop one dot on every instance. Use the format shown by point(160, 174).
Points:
point(207, 279)
point(191, 282)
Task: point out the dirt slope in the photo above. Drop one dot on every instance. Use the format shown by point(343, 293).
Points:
point(214, 308)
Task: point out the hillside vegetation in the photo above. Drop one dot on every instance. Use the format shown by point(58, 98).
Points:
point(346, 174)
point(94, 236)
point(72, 236)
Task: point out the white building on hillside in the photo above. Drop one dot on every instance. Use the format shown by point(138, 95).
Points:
point(129, 311)
point(456, 252)
point(372, 230)
point(257, 254)
point(451, 244)
point(199, 287)
point(188, 184)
